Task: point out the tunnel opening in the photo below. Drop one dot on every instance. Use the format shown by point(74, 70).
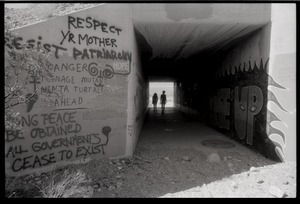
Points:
point(158, 88)
point(219, 66)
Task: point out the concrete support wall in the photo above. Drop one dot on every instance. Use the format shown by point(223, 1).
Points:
point(190, 97)
point(252, 97)
point(238, 102)
point(94, 57)
point(138, 91)
point(256, 98)
point(281, 109)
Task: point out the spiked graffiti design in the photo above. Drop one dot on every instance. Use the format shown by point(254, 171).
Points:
point(250, 98)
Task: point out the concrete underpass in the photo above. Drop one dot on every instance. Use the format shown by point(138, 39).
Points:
point(219, 58)
point(233, 67)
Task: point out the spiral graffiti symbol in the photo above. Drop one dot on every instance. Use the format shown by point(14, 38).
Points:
point(93, 70)
point(108, 72)
point(102, 73)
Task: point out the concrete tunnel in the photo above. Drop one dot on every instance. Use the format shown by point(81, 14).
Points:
point(233, 67)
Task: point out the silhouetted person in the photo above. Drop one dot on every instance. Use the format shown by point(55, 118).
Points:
point(154, 102)
point(163, 101)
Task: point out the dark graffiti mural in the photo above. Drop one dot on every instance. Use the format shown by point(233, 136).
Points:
point(240, 103)
point(247, 104)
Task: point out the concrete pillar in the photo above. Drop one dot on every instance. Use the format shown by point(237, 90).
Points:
point(93, 59)
point(138, 91)
point(282, 82)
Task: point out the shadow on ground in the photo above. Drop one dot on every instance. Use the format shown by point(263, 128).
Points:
point(176, 153)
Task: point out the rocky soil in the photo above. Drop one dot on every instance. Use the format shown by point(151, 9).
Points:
point(35, 12)
point(166, 173)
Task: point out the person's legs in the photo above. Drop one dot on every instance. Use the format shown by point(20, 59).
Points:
point(162, 109)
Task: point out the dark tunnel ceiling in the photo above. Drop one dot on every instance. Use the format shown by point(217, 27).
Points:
point(178, 31)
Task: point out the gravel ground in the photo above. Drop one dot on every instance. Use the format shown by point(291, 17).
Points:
point(168, 174)
point(41, 11)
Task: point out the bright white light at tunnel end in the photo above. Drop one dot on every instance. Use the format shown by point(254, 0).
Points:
point(158, 87)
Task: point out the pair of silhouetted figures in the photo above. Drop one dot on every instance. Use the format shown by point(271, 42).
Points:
point(163, 101)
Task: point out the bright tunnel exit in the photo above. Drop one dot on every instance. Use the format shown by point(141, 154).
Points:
point(159, 87)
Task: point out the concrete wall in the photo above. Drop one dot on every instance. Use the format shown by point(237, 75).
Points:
point(93, 59)
point(191, 98)
point(138, 100)
point(238, 104)
point(256, 98)
point(252, 97)
point(281, 109)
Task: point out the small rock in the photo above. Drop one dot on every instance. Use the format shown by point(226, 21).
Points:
point(111, 188)
point(231, 169)
point(237, 160)
point(186, 158)
point(119, 184)
point(277, 192)
point(37, 179)
point(234, 185)
point(37, 173)
point(118, 177)
point(90, 189)
point(230, 165)
point(260, 181)
point(123, 161)
point(213, 157)
point(99, 189)
point(167, 158)
point(286, 183)
point(253, 169)
point(119, 167)
point(95, 185)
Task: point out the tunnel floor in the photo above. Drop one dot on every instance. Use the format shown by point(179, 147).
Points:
point(179, 131)
point(176, 153)
point(177, 156)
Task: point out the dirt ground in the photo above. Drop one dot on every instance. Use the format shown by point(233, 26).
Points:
point(166, 173)
point(175, 159)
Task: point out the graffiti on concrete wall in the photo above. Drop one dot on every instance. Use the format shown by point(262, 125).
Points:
point(53, 137)
point(247, 104)
point(90, 69)
point(247, 95)
point(222, 108)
